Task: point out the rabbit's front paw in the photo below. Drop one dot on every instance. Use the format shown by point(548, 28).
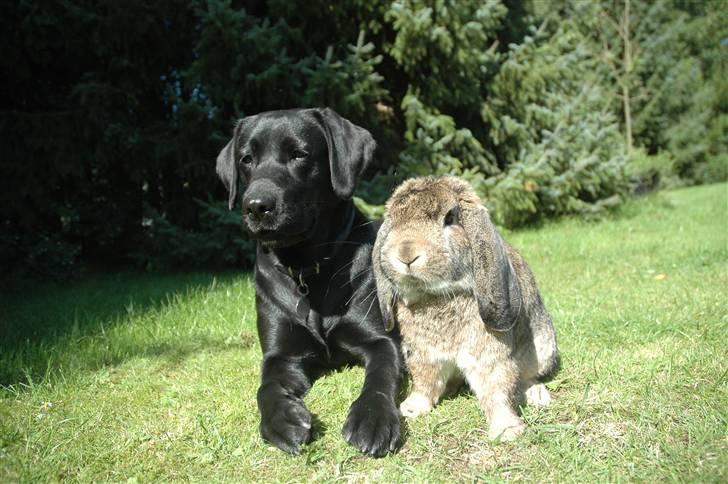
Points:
point(506, 429)
point(415, 404)
point(538, 395)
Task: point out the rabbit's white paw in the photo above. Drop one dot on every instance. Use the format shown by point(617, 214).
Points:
point(415, 404)
point(538, 395)
point(506, 429)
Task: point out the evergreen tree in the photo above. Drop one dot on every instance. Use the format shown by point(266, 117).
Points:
point(675, 81)
point(545, 142)
point(551, 125)
point(112, 113)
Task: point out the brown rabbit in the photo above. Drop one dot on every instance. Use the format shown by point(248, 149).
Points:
point(466, 303)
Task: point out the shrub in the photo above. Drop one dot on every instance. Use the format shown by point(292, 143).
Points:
point(112, 114)
point(220, 241)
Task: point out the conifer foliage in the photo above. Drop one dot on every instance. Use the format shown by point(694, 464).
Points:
point(112, 113)
point(552, 130)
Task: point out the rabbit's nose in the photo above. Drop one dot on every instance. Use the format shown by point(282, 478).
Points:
point(409, 260)
point(409, 252)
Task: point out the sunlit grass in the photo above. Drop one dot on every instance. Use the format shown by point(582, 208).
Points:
point(154, 377)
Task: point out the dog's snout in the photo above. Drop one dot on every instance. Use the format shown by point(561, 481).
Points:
point(257, 207)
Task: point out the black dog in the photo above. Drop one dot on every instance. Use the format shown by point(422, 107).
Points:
point(315, 292)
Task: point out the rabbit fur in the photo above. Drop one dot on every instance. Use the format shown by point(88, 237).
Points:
point(466, 303)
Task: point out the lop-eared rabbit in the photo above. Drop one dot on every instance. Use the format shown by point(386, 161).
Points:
point(465, 301)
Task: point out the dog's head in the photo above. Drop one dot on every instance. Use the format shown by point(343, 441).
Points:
point(295, 167)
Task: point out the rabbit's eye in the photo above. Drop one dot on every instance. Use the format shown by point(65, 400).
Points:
point(298, 155)
point(451, 218)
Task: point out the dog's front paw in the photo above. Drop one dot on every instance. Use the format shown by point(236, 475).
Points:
point(373, 426)
point(286, 423)
point(415, 404)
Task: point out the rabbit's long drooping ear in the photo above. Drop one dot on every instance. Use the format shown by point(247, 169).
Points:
point(496, 283)
point(351, 149)
point(385, 291)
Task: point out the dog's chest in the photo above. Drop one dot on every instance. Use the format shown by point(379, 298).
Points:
point(321, 301)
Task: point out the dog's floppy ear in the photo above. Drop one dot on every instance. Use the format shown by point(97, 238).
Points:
point(351, 149)
point(385, 291)
point(496, 284)
point(227, 164)
point(227, 170)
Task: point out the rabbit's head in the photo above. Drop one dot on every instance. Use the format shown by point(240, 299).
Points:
point(437, 240)
point(425, 249)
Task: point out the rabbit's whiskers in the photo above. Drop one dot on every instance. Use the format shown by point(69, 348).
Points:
point(353, 294)
point(371, 303)
point(364, 224)
point(338, 271)
point(342, 242)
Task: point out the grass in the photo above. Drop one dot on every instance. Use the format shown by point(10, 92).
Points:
point(146, 377)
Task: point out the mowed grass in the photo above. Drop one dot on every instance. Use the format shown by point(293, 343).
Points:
point(137, 377)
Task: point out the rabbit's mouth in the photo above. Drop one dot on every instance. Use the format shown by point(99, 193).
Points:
point(411, 284)
point(415, 285)
point(409, 289)
point(409, 281)
point(450, 287)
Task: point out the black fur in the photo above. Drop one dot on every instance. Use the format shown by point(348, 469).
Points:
point(298, 169)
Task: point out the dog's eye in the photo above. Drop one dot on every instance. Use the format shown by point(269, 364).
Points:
point(451, 217)
point(298, 154)
point(246, 160)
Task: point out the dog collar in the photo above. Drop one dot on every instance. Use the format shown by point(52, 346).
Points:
point(299, 274)
point(309, 317)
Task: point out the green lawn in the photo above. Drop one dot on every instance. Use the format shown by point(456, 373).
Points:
point(136, 377)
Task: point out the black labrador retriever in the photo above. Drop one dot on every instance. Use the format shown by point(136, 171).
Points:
point(315, 293)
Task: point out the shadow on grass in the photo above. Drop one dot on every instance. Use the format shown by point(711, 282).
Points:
point(38, 317)
point(318, 427)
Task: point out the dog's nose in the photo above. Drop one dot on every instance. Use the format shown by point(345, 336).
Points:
point(257, 207)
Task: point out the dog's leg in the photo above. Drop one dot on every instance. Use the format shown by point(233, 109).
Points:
point(286, 375)
point(372, 425)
